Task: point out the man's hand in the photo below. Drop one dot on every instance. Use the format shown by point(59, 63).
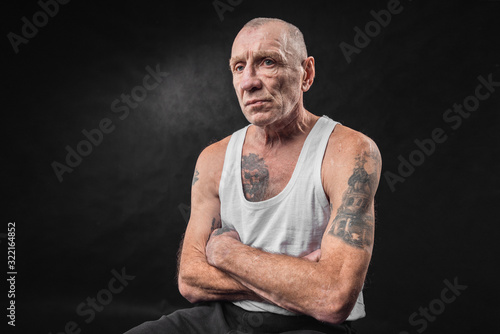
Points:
point(314, 256)
point(219, 244)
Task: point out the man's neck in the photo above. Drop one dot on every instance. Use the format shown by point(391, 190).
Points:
point(297, 124)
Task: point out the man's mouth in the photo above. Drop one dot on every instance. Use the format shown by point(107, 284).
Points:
point(255, 102)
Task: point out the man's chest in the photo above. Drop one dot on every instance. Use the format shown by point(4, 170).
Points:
point(265, 175)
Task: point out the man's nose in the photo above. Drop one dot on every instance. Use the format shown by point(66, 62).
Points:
point(250, 80)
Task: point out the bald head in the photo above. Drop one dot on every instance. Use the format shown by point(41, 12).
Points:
point(271, 71)
point(292, 35)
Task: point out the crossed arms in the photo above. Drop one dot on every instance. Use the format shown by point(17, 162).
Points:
point(215, 265)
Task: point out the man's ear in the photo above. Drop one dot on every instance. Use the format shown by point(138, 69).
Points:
point(309, 73)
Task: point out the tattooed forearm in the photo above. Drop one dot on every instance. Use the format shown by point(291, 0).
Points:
point(354, 223)
point(195, 176)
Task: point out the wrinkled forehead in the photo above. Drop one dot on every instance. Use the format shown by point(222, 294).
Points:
point(268, 37)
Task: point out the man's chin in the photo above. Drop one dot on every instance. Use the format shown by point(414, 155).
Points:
point(260, 120)
point(260, 117)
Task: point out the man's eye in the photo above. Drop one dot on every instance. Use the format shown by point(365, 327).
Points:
point(239, 68)
point(268, 62)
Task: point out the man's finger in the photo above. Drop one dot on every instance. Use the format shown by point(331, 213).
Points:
point(314, 256)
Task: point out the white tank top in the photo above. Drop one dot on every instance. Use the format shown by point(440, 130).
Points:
point(292, 222)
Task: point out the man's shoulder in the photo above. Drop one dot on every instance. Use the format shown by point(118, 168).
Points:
point(345, 142)
point(214, 153)
point(209, 165)
point(347, 151)
point(217, 150)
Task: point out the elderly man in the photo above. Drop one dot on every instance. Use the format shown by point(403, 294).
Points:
point(282, 220)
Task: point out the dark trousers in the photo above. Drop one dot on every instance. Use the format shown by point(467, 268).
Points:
point(227, 318)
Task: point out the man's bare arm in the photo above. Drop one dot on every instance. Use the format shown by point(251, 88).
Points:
point(327, 289)
point(198, 280)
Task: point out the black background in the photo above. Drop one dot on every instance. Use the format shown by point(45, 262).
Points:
point(125, 205)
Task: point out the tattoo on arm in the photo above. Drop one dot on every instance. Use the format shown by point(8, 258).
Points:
point(216, 223)
point(222, 230)
point(255, 177)
point(353, 223)
point(195, 176)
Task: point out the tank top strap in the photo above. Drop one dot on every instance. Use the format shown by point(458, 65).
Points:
point(231, 158)
point(315, 145)
point(309, 165)
point(327, 126)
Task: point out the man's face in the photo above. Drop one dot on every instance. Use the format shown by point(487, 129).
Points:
point(267, 74)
